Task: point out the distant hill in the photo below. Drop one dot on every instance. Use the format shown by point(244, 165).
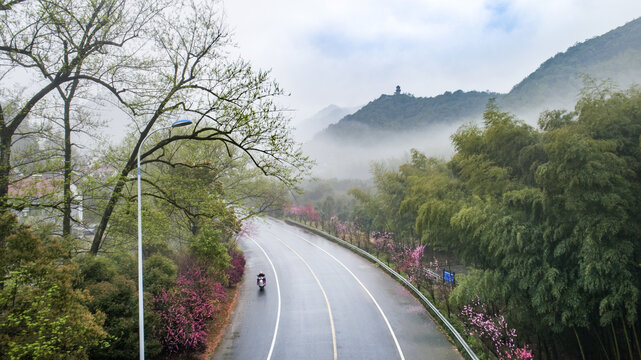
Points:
point(403, 112)
point(331, 114)
point(615, 55)
point(392, 124)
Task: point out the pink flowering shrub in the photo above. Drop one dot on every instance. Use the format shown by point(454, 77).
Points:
point(340, 228)
point(186, 310)
point(383, 241)
point(345, 229)
point(302, 213)
point(409, 261)
point(235, 272)
point(494, 332)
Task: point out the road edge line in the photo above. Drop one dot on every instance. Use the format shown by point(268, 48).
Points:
point(461, 344)
point(329, 307)
point(380, 310)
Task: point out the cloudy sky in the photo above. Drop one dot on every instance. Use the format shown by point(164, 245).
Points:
point(348, 52)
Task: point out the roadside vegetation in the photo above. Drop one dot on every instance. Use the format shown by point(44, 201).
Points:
point(544, 223)
point(68, 212)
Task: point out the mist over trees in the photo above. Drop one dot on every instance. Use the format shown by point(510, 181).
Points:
point(389, 126)
point(545, 219)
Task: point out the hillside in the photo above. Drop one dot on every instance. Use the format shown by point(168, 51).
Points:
point(615, 55)
point(404, 112)
point(331, 114)
point(390, 125)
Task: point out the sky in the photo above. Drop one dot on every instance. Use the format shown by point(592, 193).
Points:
point(349, 52)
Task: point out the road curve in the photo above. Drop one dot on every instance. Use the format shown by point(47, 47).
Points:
point(329, 304)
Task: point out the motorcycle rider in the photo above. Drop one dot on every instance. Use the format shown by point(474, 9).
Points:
point(260, 276)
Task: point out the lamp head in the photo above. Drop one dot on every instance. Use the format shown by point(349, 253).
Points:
point(179, 123)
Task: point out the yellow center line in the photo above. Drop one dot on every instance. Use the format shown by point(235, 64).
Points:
point(329, 307)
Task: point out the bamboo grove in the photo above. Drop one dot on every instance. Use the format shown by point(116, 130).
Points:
point(546, 220)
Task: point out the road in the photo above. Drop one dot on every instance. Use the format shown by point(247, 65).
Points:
point(323, 302)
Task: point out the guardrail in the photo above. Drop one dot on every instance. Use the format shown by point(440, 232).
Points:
point(460, 342)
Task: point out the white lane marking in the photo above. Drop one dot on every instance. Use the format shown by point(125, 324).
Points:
point(271, 348)
point(329, 308)
point(389, 327)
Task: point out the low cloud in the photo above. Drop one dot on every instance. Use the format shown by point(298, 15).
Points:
point(349, 52)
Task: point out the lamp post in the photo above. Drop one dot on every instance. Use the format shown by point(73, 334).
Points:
point(141, 309)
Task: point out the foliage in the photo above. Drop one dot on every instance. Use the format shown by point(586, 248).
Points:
point(41, 314)
point(209, 250)
point(546, 220)
point(495, 331)
point(186, 309)
point(237, 267)
point(112, 283)
point(159, 272)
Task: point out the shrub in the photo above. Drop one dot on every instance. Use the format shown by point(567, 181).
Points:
point(208, 249)
point(235, 273)
point(42, 316)
point(159, 273)
point(494, 331)
point(112, 282)
point(185, 311)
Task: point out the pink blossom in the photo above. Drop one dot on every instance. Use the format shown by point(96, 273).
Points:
point(186, 309)
point(494, 331)
point(237, 269)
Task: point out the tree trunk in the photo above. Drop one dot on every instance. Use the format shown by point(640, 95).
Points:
point(598, 337)
point(616, 342)
point(5, 165)
point(578, 340)
point(106, 214)
point(67, 195)
point(627, 338)
point(636, 338)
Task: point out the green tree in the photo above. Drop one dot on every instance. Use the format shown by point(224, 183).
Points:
point(229, 102)
point(41, 314)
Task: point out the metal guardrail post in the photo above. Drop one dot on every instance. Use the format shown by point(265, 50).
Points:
point(430, 307)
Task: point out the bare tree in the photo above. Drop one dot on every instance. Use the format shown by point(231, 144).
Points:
point(229, 102)
point(49, 43)
point(158, 61)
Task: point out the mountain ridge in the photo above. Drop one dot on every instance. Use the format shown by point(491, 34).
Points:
point(615, 55)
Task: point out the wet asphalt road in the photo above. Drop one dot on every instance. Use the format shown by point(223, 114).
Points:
point(323, 302)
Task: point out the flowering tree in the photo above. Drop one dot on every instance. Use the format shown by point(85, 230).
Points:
point(383, 241)
point(248, 228)
point(494, 332)
point(345, 229)
point(310, 214)
point(292, 209)
point(302, 213)
point(334, 224)
point(412, 262)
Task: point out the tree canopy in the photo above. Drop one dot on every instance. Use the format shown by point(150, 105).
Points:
point(546, 220)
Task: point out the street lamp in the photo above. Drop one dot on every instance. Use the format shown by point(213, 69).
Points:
point(141, 310)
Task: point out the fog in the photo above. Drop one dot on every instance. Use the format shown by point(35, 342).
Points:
point(352, 160)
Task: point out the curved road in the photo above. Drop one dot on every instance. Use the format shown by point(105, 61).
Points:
point(323, 302)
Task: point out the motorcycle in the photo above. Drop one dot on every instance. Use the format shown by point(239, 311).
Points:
point(260, 281)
